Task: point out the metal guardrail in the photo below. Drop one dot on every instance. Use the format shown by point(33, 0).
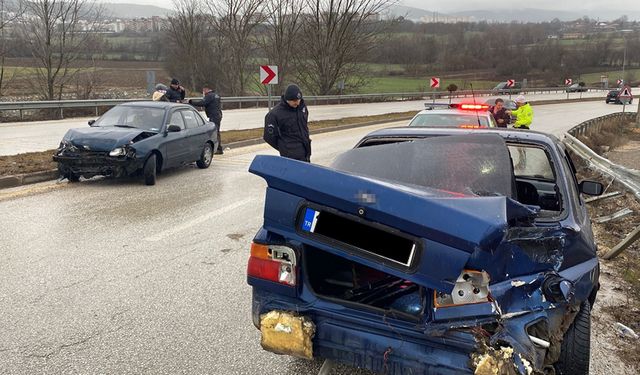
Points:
point(630, 178)
point(258, 100)
point(595, 124)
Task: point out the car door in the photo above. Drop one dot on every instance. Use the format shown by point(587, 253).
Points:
point(176, 142)
point(196, 133)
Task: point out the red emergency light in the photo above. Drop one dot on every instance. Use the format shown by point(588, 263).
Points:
point(474, 107)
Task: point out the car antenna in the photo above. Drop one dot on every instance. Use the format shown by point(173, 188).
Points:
point(473, 94)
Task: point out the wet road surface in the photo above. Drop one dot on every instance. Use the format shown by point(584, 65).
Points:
point(111, 276)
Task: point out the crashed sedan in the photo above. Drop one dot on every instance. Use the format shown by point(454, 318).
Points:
point(428, 251)
point(137, 138)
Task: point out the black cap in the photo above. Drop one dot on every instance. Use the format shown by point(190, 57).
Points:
point(174, 81)
point(292, 93)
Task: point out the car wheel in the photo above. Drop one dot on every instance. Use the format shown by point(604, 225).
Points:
point(149, 170)
point(576, 344)
point(72, 177)
point(206, 156)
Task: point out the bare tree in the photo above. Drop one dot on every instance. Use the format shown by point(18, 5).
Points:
point(58, 35)
point(337, 35)
point(187, 32)
point(235, 22)
point(282, 35)
point(9, 13)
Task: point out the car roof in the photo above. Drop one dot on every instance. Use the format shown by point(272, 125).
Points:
point(420, 132)
point(452, 111)
point(155, 104)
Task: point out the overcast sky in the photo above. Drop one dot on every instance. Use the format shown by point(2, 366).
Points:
point(563, 5)
point(459, 5)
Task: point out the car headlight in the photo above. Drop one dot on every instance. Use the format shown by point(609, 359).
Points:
point(471, 287)
point(120, 151)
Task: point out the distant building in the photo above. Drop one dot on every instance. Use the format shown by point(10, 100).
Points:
point(573, 36)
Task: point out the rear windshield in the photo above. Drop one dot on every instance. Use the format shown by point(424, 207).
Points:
point(450, 120)
point(466, 164)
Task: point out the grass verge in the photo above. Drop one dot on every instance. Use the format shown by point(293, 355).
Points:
point(42, 161)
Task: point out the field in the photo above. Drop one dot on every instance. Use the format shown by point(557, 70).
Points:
point(127, 79)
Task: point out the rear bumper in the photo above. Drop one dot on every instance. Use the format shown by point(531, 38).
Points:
point(375, 345)
point(94, 165)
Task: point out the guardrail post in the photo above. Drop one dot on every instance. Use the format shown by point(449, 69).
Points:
point(61, 113)
point(96, 110)
point(21, 117)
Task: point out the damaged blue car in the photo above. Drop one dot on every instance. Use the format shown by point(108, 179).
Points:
point(429, 251)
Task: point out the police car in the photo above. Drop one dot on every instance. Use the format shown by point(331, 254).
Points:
point(457, 115)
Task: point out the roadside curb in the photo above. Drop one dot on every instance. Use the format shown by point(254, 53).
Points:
point(28, 178)
point(257, 141)
point(32, 178)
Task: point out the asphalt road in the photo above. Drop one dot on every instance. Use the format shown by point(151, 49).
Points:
point(45, 135)
point(111, 276)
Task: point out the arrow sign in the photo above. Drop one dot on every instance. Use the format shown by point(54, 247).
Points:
point(435, 82)
point(510, 82)
point(568, 81)
point(619, 82)
point(269, 74)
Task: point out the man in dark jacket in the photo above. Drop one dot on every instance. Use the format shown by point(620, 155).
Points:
point(285, 126)
point(176, 92)
point(213, 109)
point(500, 114)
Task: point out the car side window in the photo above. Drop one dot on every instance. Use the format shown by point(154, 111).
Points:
point(190, 119)
point(176, 119)
point(199, 119)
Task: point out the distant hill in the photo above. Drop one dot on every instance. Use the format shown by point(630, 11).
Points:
point(541, 15)
point(124, 10)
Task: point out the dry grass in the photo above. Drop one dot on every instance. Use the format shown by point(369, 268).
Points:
point(42, 161)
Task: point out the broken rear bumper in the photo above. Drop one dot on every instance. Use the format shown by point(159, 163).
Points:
point(373, 343)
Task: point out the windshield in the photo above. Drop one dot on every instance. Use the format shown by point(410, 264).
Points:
point(449, 119)
point(133, 116)
point(467, 164)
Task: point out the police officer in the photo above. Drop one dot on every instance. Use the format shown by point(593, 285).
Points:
point(176, 92)
point(285, 126)
point(213, 109)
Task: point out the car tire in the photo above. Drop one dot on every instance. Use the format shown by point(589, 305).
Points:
point(205, 157)
point(72, 177)
point(576, 345)
point(149, 170)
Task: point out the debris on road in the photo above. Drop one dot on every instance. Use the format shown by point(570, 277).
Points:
point(622, 213)
point(625, 331)
point(603, 196)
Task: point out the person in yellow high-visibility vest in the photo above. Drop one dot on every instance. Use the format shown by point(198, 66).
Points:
point(524, 113)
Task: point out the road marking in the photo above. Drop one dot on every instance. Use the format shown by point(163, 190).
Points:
point(23, 191)
point(172, 231)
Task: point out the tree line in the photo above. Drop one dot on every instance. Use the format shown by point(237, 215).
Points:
point(315, 43)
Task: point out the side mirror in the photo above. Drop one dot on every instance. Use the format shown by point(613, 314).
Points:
point(173, 128)
point(91, 122)
point(591, 188)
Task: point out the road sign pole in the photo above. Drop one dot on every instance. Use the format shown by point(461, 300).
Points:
point(269, 95)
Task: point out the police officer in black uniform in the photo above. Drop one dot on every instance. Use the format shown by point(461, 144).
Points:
point(285, 126)
point(176, 92)
point(213, 109)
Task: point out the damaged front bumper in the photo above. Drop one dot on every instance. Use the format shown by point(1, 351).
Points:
point(90, 164)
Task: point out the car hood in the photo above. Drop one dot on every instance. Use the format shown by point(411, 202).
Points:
point(105, 138)
point(451, 227)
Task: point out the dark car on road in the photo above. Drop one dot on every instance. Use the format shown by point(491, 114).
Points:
point(577, 87)
point(429, 251)
point(137, 138)
point(613, 96)
point(503, 88)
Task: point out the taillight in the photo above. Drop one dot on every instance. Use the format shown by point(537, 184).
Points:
point(273, 263)
point(474, 107)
